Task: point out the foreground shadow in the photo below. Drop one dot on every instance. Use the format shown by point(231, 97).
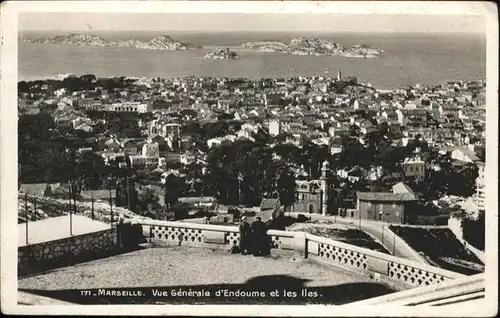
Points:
point(272, 289)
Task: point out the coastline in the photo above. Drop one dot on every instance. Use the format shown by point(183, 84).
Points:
point(54, 77)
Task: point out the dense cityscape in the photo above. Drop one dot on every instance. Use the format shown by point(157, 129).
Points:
point(192, 147)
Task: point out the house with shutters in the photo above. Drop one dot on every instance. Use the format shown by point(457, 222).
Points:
point(398, 208)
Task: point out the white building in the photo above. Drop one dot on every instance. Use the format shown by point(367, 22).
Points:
point(414, 168)
point(464, 154)
point(137, 160)
point(480, 187)
point(164, 129)
point(151, 149)
point(187, 159)
point(134, 107)
point(274, 128)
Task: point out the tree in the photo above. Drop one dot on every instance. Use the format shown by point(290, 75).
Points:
point(244, 172)
point(289, 153)
point(282, 137)
point(88, 78)
point(262, 137)
point(174, 188)
point(225, 116)
point(188, 113)
point(180, 211)
point(147, 201)
point(219, 129)
point(92, 170)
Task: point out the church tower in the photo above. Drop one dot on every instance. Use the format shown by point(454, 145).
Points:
point(339, 75)
point(324, 187)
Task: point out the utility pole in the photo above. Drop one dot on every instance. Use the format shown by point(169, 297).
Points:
point(394, 244)
point(70, 223)
point(27, 217)
point(70, 210)
point(382, 233)
point(111, 205)
point(69, 195)
point(128, 193)
point(74, 200)
point(359, 213)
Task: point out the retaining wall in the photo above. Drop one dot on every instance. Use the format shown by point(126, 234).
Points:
point(456, 227)
point(378, 230)
point(47, 255)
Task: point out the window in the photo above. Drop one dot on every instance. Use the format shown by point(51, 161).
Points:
point(352, 213)
point(311, 208)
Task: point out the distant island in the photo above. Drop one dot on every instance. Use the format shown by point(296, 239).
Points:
point(314, 46)
point(162, 42)
point(221, 55)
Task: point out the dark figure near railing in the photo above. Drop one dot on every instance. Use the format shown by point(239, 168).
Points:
point(245, 232)
point(259, 238)
point(129, 235)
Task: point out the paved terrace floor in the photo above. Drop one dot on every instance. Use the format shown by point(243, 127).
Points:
point(57, 228)
point(203, 269)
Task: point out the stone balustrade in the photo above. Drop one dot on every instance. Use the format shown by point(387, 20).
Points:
point(400, 272)
point(391, 269)
point(460, 290)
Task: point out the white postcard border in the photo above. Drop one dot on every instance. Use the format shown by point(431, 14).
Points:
point(8, 115)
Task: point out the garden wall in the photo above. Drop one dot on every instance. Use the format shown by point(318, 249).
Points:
point(40, 257)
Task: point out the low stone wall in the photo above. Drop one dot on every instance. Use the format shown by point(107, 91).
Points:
point(388, 239)
point(451, 293)
point(71, 250)
point(399, 272)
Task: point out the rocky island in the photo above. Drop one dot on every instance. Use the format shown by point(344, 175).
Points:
point(162, 42)
point(221, 55)
point(314, 46)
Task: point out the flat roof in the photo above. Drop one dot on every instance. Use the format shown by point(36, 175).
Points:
point(57, 228)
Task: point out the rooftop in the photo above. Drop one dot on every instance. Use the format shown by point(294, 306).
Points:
point(385, 196)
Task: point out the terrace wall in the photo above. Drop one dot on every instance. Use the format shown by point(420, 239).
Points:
point(456, 227)
point(70, 250)
point(399, 272)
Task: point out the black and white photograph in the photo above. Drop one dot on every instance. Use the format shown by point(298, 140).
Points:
point(250, 156)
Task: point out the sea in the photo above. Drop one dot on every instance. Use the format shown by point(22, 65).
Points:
point(409, 58)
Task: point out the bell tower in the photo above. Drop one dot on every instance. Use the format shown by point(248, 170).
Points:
point(339, 75)
point(324, 187)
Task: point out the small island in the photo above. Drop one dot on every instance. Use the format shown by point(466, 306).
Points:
point(223, 54)
point(314, 46)
point(162, 42)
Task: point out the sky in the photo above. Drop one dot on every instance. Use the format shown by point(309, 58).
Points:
point(196, 22)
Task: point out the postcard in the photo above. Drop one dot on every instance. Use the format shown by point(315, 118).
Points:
point(249, 158)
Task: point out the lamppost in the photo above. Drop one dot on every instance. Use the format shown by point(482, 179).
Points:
point(359, 214)
point(394, 244)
